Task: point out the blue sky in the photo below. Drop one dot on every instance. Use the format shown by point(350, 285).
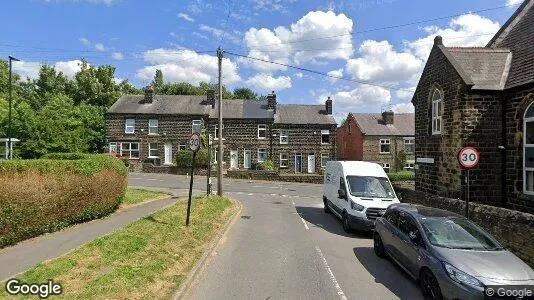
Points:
point(138, 37)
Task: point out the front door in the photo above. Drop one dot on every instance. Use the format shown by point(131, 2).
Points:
point(298, 163)
point(311, 163)
point(233, 159)
point(247, 159)
point(168, 153)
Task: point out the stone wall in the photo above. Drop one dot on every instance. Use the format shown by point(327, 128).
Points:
point(513, 229)
point(275, 176)
point(371, 151)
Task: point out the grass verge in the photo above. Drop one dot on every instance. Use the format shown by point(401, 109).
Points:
point(148, 259)
point(136, 196)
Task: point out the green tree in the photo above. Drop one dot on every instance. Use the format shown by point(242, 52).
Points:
point(245, 93)
point(400, 160)
point(95, 86)
point(158, 80)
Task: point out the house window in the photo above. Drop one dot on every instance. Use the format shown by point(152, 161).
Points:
point(325, 137)
point(262, 131)
point(409, 166)
point(528, 151)
point(437, 99)
point(182, 147)
point(409, 145)
point(129, 126)
point(217, 131)
point(113, 148)
point(385, 145)
point(153, 126)
point(197, 126)
point(284, 137)
point(262, 155)
point(385, 167)
point(284, 160)
point(325, 157)
point(130, 150)
point(152, 150)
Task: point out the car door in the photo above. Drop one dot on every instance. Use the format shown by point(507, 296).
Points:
point(390, 224)
point(340, 202)
point(407, 250)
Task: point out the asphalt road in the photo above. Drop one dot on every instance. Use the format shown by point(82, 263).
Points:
point(285, 247)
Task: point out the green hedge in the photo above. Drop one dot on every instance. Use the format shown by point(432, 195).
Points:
point(402, 176)
point(45, 195)
point(266, 166)
point(185, 157)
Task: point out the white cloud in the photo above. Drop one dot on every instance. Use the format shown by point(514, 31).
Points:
point(186, 17)
point(220, 34)
point(85, 41)
point(403, 108)
point(267, 83)
point(68, 68)
point(31, 69)
point(100, 47)
point(335, 73)
point(513, 2)
point(283, 44)
point(180, 65)
point(405, 93)
point(117, 56)
point(299, 75)
point(465, 31)
point(105, 2)
point(357, 99)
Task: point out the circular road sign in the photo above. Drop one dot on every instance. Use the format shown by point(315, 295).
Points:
point(194, 142)
point(468, 157)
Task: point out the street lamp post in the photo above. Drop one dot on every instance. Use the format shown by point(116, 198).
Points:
point(9, 145)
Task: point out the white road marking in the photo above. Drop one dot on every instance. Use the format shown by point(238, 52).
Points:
point(250, 194)
point(332, 277)
point(304, 222)
point(293, 202)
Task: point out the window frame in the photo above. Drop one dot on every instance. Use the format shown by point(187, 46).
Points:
point(409, 141)
point(116, 146)
point(152, 126)
point(182, 147)
point(266, 155)
point(138, 150)
point(282, 136)
point(407, 166)
point(525, 146)
point(325, 133)
point(262, 127)
point(126, 126)
point(150, 149)
point(323, 155)
point(437, 112)
point(388, 168)
point(284, 159)
point(386, 142)
point(199, 121)
point(215, 129)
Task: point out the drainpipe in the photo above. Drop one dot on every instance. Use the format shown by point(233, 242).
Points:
point(503, 153)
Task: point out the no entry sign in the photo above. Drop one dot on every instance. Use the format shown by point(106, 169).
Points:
point(468, 157)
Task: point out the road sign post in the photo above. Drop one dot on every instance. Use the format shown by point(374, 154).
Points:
point(468, 158)
point(194, 146)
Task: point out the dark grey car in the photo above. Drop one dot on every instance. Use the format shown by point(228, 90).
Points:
point(450, 256)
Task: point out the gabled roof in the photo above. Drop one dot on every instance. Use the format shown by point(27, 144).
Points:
point(162, 104)
point(372, 124)
point(242, 109)
point(302, 114)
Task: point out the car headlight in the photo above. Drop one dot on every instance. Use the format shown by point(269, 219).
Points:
point(461, 277)
point(356, 206)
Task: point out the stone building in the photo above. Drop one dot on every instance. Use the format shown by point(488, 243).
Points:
point(480, 97)
point(377, 138)
point(151, 129)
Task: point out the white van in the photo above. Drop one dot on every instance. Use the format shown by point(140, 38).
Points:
point(357, 192)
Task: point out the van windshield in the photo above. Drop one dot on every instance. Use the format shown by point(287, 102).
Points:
point(372, 187)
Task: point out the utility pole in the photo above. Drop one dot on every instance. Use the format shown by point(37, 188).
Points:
point(9, 144)
point(220, 156)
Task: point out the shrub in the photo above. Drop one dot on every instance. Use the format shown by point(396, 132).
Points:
point(45, 195)
point(266, 165)
point(402, 176)
point(184, 158)
point(65, 156)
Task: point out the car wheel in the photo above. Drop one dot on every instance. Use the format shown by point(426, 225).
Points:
point(345, 221)
point(378, 246)
point(326, 208)
point(430, 286)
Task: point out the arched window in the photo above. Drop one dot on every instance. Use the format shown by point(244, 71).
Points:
point(437, 102)
point(528, 151)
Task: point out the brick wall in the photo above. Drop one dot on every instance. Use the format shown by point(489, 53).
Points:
point(349, 141)
point(371, 151)
point(512, 228)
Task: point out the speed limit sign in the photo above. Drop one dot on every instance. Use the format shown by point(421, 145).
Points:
point(468, 157)
point(194, 142)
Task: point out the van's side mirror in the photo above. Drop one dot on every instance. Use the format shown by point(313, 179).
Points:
point(342, 194)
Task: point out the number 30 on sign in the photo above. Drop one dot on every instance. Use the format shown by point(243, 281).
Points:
point(468, 157)
point(194, 142)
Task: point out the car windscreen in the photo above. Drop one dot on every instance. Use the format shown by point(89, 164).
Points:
point(457, 233)
point(371, 187)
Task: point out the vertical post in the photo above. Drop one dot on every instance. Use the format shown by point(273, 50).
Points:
point(208, 175)
point(220, 156)
point(8, 148)
point(467, 198)
point(190, 188)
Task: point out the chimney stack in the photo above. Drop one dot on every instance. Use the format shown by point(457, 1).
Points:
point(387, 117)
point(210, 98)
point(328, 106)
point(271, 101)
point(149, 95)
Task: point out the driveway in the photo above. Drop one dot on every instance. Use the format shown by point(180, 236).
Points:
point(285, 247)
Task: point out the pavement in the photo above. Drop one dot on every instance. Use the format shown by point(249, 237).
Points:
point(284, 246)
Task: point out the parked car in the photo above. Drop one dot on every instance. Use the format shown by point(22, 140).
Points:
point(357, 192)
point(450, 256)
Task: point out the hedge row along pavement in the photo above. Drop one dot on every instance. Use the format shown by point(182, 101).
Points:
point(402, 176)
point(45, 195)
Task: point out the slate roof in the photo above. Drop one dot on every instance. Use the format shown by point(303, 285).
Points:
point(162, 104)
point(372, 124)
point(485, 68)
point(302, 114)
point(243, 109)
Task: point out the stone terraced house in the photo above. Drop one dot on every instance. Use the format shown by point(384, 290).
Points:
point(377, 138)
point(481, 97)
point(149, 130)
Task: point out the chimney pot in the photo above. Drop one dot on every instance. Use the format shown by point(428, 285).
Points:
point(210, 98)
point(388, 117)
point(271, 101)
point(149, 94)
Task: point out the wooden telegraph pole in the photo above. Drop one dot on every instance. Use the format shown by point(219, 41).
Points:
point(220, 152)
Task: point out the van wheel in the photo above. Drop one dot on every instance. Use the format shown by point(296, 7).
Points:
point(345, 221)
point(326, 208)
